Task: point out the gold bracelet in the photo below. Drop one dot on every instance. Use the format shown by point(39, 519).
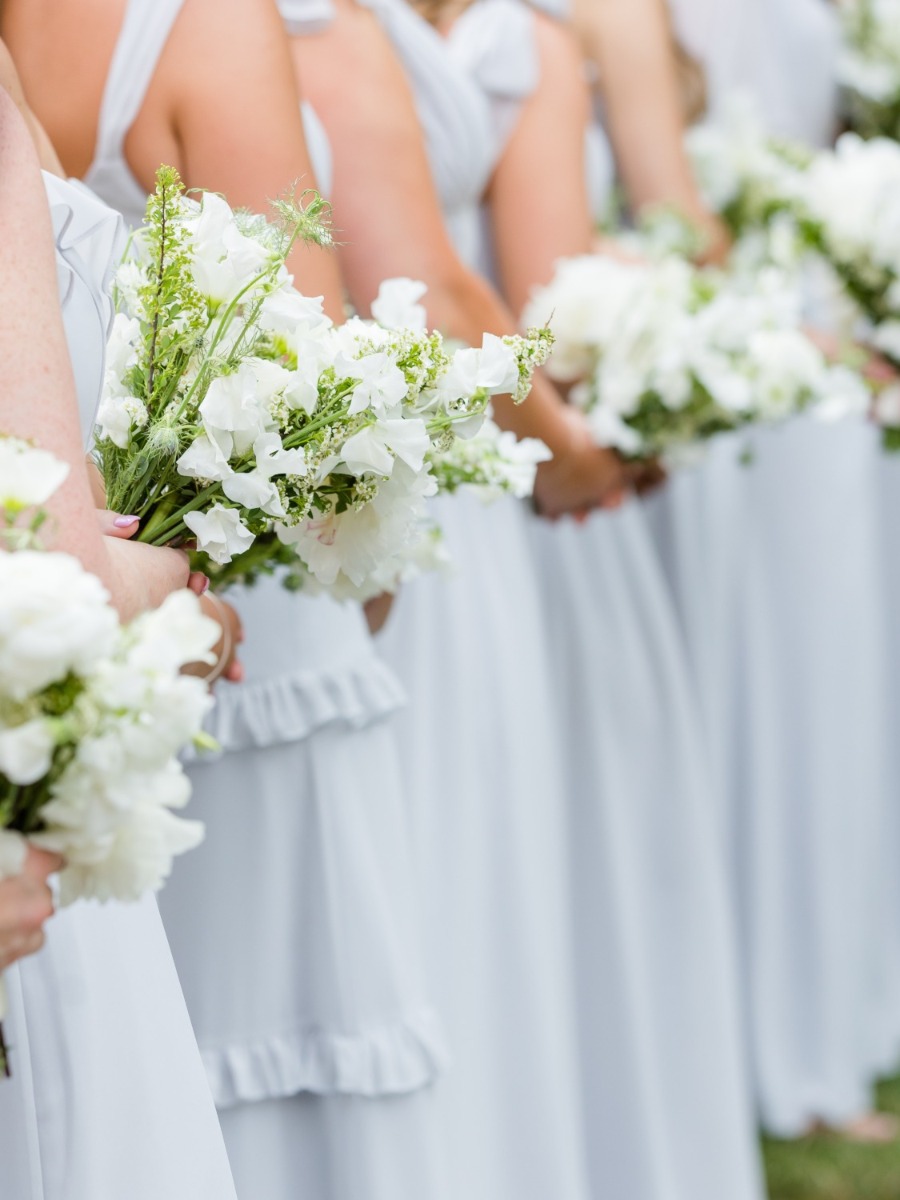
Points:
point(224, 658)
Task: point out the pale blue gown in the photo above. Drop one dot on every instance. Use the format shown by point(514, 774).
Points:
point(776, 574)
point(294, 926)
point(666, 1098)
point(108, 1096)
point(481, 755)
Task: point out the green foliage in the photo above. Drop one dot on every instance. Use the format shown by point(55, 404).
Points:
point(830, 1168)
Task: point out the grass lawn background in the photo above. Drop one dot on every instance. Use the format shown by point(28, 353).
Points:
point(824, 1168)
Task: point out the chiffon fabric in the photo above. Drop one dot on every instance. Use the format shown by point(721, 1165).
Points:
point(294, 926)
point(665, 1091)
point(775, 571)
point(108, 1095)
point(481, 747)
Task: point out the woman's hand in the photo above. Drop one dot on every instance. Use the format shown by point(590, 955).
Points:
point(581, 476)
point(26, 904)
point(377, 611)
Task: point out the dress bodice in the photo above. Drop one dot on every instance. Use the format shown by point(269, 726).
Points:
point(142, 39)
point(88, 238)
point(453, 113)
point(495, 43)
point(783, 53)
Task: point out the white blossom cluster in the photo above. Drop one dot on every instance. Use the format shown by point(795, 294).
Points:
point(93, 715)
point(869, 64)
point(663, 356)
point(275, 420)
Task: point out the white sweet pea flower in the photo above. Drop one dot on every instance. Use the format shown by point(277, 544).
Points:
point(28, 476)
point(121, 353)
point(235, 407)
point(224, 260)
point(492, 368)
point(220, 533)
point(382, 385)
point(292, 315)
point(204, 459)
point(272, 459)
point(375, 447)
point(26, 752)
point(253, 489)
point(117, 416)
point(397, 304)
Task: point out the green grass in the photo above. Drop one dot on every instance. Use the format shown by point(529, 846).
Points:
point(827, 1168)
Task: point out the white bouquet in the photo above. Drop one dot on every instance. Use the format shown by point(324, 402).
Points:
point(869, 65)
point(93, 714)
point(235, 413)
point(834, 216)
point(663, 356)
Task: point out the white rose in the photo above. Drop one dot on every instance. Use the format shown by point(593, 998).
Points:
point(26, 752)
point(170, 636)
point(54, 619)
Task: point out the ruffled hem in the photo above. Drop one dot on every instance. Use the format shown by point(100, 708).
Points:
point(292, 707)
point(387, 1061)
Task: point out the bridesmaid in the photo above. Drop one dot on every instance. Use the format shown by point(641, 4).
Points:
point(654, 943)
point(106, 1068)
point(778, 582)
point(319, 1039)
point(489, 836)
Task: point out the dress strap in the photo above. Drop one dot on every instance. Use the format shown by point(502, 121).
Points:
point(145, 31)
point(303, 17)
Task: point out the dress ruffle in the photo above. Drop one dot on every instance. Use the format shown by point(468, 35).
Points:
point(387, 1060)
point(291, 707)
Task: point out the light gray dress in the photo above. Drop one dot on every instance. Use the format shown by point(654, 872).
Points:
point(667, 1106)
point(776, 573)
point(294, 926)
point(480, 745)
point(108, 1096)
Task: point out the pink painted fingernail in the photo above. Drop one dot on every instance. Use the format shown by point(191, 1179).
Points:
point(124, 522)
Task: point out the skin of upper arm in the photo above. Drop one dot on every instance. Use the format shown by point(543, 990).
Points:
point(37, 391)
point(387, 211)
point(227, 85)
point(539, 204)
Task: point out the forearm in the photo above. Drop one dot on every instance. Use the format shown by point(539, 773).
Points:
point(630, 42)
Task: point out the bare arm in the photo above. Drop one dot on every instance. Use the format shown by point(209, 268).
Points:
point(391, 224)
point(630, 42)
point(37, 391)
point(536, 224)
point(227, 82)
